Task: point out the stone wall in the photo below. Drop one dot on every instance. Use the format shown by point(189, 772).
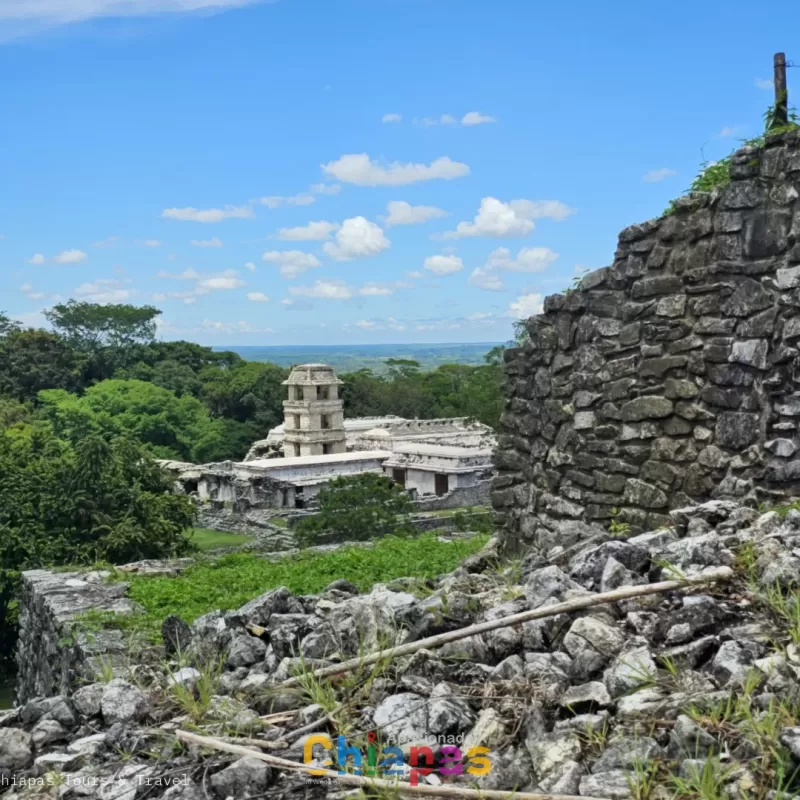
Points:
point(51, 659)
point(671, 376)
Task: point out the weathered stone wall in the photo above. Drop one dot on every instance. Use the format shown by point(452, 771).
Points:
point(671, 376)
point(51, 659)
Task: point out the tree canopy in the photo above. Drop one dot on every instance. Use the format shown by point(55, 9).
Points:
point(356, 508)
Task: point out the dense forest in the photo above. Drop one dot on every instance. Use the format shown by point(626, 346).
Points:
point(101, 370)
point(87, 406)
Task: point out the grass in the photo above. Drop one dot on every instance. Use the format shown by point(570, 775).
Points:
point(207, 539)
point(451, 512)
point(231, 581)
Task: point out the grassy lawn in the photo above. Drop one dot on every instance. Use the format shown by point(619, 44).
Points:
point(229, 582)
point(207, 539)
point(279, 522)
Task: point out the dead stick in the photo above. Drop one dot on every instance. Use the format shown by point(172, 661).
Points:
point(264, 744)
point(578, 604)
point(377, 783)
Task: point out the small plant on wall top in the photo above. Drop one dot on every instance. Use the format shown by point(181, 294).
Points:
point(618, 528)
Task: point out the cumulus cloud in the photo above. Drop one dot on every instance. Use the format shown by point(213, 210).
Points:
point(207, 215)
point(402, 213)
point(324, 290)
point(356, 238)
point(443, 265)
point(361, 170)
point(70, 257)
point(313, 232)
point(207, 242)
point(291, 263)
point(373, 289)
point(189, 274)
point(107, 242)
point(36, 258)
point(104, 291)
point(325, 188)
point(151, 243)
point(257, 297)
point(529, 259)
point(366, 324)
point(657, 175)
point(526, 305)
point(486, 279)
point(414, 274)
point(391, 118)
point(250, 266)
point(226, 280)
point(476, 118)
point(515, 218)
point(233, 327)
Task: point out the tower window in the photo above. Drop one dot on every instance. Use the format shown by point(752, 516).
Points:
point(322, 392)
point(297, 450)
point(325, 422)
point(326, 448)
point(297, 422)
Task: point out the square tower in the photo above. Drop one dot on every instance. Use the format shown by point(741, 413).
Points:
point(313, 413)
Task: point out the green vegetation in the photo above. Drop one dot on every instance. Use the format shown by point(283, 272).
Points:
point(207, 539)
point(357, 508)
point(229, 582)
point(80, 501)
point(714, 174)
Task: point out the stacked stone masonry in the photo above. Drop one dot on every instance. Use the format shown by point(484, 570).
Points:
point(670, 377)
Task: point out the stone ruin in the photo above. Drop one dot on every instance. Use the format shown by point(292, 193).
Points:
point(671, 376)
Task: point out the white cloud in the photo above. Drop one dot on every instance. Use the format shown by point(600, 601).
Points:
point(443, 265)
point(478, 315)
point(36, 258)
point(190, 214)
point(324, 290)
point(276, 201)
point(287, 302)
point(391, 118)
point(526, 305)
point(207, 242)
point(515, 218)
point(529, 259)
point(375, 290)
point(476, 118)
point(104, 291)
point(313, 232)
point(151, 243)
point(325, 188)
point(226, 280)
point(356, 238)
point(366, 324)
point(414, 275)
point(233, 327)
point(55, 12)
point(727, 131)
point(657, 175)
point(486, 279)
point(257, 297)
point(189, 274)
point(26, 288)
point(291, 262)
point(761, 83)
point(70, 257)
point(402, 213)
point(250, 266)
point(363, 171)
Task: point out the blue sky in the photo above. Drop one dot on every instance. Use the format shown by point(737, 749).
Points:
point(348, 171)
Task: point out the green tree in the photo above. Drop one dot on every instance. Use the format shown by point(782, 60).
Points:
point(356, 508)
point(96, 501)
point(170, 426)
point(32, 360)
point(94, 325)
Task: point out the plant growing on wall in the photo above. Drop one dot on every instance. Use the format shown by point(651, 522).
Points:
point(356, 508)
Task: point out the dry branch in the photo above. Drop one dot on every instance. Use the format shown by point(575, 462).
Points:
point(577, 604)
point(376, 783)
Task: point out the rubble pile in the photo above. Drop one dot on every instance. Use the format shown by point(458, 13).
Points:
point(651, 697)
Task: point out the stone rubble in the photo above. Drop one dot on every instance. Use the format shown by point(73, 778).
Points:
point(568, 704)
